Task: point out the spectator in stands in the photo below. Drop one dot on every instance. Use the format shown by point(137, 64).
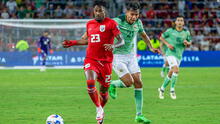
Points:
point(205, 44)
point(22, 45)
point(29, 12)
point(217, 46)
point(68, 12)
point(11, 5)
point(41, 11)
point(4, 14)
point(21, 13)
point(50, 11)
point(58, 12)
point(181, 6)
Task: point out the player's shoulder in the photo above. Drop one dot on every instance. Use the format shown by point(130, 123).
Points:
point(186, 30)
point(170, 29)
point(91, 21)
point(120, 18)
point(109, 20)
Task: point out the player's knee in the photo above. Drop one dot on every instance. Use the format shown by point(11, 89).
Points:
point(129, 83)
point(176, 70)
point(138, 84)
point(91, 86)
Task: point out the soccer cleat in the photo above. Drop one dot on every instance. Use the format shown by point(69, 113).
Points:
point(112, 92)
point(142, 119)
point(173, 94)
point(99, 115)
point(161, 93)
point(100, 121)
point(162, 74)
point(43, 69)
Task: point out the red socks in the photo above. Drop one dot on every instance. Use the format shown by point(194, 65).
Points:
point(103, 98)
point(93, 92)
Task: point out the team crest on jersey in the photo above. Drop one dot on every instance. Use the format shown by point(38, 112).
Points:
point(102, 28)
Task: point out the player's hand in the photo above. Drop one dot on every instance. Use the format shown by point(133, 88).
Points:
point(170, 46)
point(108, 47)
point(68, 43)
point(38, 50)
point(186, 43)
point(51, 51)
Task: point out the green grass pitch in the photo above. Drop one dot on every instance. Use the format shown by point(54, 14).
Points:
point(30, 96)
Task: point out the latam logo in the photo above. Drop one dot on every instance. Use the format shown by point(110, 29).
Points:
point(55, 60)
point(2, 60)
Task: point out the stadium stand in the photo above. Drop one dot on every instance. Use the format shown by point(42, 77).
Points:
point(202, 16)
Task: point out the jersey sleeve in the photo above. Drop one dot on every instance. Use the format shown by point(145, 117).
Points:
point(115, 28)
point(188, 38)
point(141, 27)
point(166, 33)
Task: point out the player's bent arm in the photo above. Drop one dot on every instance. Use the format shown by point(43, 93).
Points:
point(110, 47)
point(69, 43)
point(120, 42)
point(146, 39)
point(187, 43)
point(166, 43)
point(161, 47)
point(84, 36)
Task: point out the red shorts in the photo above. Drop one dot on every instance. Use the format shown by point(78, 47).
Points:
point(102, 69)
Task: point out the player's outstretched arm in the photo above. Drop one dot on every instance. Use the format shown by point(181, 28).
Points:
point(147, 41)
point(166, 43)
point(110, 47)
point(82, 41)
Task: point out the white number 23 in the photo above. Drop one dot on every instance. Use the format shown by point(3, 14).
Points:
point(95, 38)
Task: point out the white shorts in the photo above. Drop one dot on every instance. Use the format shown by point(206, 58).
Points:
point(123, 64)
point(164, 58)
point(173, 61)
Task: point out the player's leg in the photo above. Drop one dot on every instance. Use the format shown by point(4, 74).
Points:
point(44, 58)
point(91, 77)
point(138, 93)
point(126, 80)
point(103, 95)
point(171, 63)
point(165, 68)
point(135, 71)
point(174, 76)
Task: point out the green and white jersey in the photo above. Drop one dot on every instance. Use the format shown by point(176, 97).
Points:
point(129, 31)
point(176, 38)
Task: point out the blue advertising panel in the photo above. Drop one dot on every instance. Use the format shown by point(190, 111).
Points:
point(30, 59)
point(190, 59)
point(145, 59)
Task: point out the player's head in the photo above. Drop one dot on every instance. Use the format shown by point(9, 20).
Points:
point(179, 22)
point(46, 33)
point(132, 12)
point(99, 10)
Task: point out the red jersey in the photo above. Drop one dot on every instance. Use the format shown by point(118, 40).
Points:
point(100, 33)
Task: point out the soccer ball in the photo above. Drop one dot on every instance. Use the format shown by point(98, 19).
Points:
point(54, 119)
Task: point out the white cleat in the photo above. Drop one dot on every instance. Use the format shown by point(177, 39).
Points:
point(42, 69)
point(99, 115)
point(161, 93)
point(162, 74)
point(172, 94)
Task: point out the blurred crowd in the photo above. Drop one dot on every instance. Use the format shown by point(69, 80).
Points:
point(202, 17)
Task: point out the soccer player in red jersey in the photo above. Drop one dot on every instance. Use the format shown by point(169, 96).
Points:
point(100, 34)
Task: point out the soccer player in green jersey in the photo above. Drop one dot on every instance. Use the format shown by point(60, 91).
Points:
point(125, 62)
point(165, 67)
point(176, 39)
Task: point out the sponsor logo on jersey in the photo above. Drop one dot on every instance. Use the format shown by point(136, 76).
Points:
point(87, 65)
point(102, 28)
